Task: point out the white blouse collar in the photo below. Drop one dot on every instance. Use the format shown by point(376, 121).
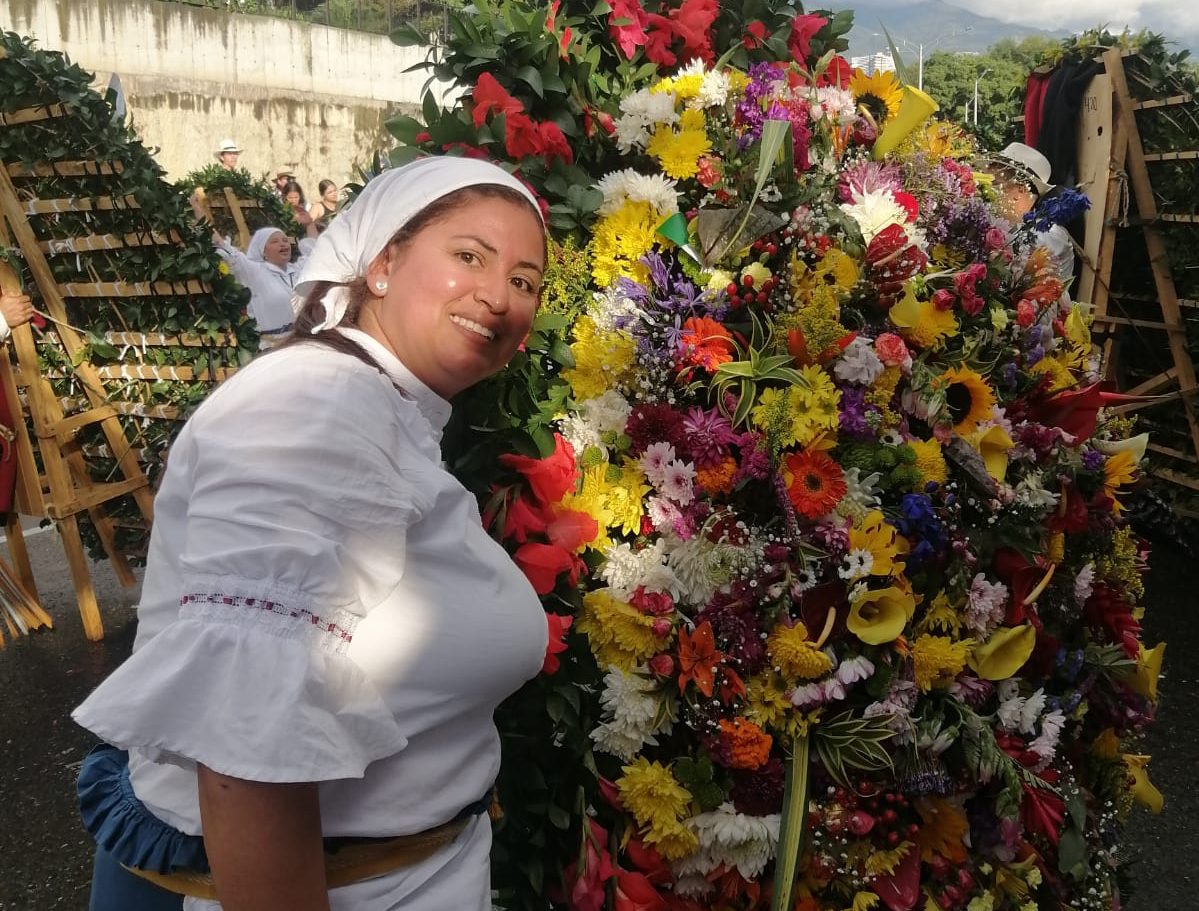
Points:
point(435, 409)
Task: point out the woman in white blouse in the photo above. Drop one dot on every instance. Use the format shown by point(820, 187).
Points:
point(325, 628)
point(267, 270)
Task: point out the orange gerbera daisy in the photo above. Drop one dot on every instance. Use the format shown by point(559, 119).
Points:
point(705, 343)
point(816, 484)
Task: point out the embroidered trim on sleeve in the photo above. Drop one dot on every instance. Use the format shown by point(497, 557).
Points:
point(333, 632)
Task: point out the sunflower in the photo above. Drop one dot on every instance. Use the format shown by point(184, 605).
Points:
point(968, 398)
point(880, 94)
point(816, 484)
point(1119, 471)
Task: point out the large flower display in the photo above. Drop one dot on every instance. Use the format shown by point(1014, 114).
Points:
point(830, 536)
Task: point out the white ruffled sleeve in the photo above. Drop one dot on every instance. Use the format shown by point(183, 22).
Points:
point(293, 498)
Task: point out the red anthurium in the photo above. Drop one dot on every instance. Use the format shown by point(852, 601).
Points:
point(542, 564)
point(900, 889)
point(550, 478)
point(556, 644)
point(634, 892)
point(803, 29)
point(489, 96)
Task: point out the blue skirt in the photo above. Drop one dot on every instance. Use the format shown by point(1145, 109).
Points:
point(128, 834)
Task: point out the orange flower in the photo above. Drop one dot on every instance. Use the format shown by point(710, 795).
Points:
point(816, 485)
point(698, 658)
point(745, 745)
point(705, 343)
point(717, 479)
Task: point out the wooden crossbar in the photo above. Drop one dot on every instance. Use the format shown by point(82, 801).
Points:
point(1161, 102)
point(32, 115)
point(1172, 453)
point(180, 373)
point(92, 242)
point(64, 169)
point(132, 289)
point(79, 204)
point(1178, 218)
point(1171, 156)
point(158, 339)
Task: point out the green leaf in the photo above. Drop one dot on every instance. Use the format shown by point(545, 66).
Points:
point(794, 824)
point(532, 78)
point(429, 109)
point(561, 354)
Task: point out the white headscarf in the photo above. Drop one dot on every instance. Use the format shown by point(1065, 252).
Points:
point(254, 250)
point(362, 230)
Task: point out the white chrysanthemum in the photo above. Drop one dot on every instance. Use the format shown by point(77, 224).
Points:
point(628, 185)
point(701, 567)
point(713, 91)
point(631, 133)
point(580, 433)
point(875, 210)
point(678, 480)
point(620, 742)
point(986, 605)
point(639, 113)
point(861, 493)
point(1045, 744)
point(608, 413)
point(625, 570)
point(734, 839)
point(635, 710)
point(654, 461)
point(858, 363)
point(1031, 711)
point(1031, 494)
point(1084, 584)
point(611, 310)
point(690, 885)
point(855, 669)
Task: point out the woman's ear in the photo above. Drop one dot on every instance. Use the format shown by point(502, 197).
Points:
point(378, 273)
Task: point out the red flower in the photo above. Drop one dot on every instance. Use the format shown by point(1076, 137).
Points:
point(524, 520)
point(556, 643)
point(550, 478)
point(755, 35)
point(659, 37)
point(817, 483)
point(570, 529)
point(488, 96)
point(838, 73)
point(542, 564)
point(698, 658)
point(634, 892)
point(705, 343)
point(900, 889)
point(648, 861)
point(692, 23)
point(553, 143)
point(803, 30)
point(1042, 813)
point(587, 892)
point(909, 203)
point(627, 24)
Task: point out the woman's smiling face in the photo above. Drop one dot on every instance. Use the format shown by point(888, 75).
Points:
point(461, 295)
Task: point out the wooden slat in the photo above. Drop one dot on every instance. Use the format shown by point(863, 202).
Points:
point(1171, 156)
point(132, 289)
point(1161, 102)
point(31, 115)
point(127, 409)
point(66, 429)
point(159, 340)
point(1155, 382)
point(65, 169)
point(88, 498)
point(1172, 453)
point(1178, 219)
point(217, 202)
point(1139, 323)
point(152, 372)
point(1176, 477)
point(79, 204)
point(93, 242)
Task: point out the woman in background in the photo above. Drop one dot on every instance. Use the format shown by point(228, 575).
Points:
point(326, 206)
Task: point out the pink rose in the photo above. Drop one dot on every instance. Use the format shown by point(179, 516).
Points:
point(995, 239)
point(943, 299)
point(891, 349)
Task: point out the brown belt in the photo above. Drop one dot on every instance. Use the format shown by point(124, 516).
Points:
point(352, 863)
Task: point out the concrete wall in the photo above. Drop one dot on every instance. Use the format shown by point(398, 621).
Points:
point(305, 96)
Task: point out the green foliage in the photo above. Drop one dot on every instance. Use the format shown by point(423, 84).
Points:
point(89, 132)
point(271, 211)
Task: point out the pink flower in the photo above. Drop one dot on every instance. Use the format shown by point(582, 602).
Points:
point(1026, 313)
point(943, 299)
point(891, 349)
point(995, 239)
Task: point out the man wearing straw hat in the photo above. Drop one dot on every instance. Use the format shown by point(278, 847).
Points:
point(227, 153)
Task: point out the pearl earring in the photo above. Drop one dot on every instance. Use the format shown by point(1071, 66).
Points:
point(380, 286)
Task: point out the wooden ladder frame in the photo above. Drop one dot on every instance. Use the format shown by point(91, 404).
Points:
point(66, 489)
point(1127, 169)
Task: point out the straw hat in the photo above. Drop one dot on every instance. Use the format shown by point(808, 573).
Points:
point(227, 145)
point(1030, 164)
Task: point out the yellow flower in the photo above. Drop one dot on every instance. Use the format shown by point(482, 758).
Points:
point(766, 702)
point(603, 360)
point(880, 93)
point(944, 829)
point(876, 535)
point(626, 499)
point(940, 616)
point(930, 461)
point(920, 322)
point(1149, 668)
point(794, 655)
point(968, 398)
point(1143, 790)
point(937, 660)
point(758, 272)
point(620, 240)
point(864, 901)
point(993, 445)
point(222, 267)
point(679, 151)
point(658, 802)
point(1004, 652)
point(1118, 470)
point(1056, 370)
point(617, 632)
point(877, 617)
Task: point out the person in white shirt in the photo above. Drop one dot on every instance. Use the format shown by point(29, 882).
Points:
point(267, 270)
point(326, 628)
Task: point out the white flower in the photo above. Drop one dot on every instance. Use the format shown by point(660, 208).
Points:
point(714, 90)
point(875, 210)
point(654, 461)
point(1031, 494)
point(610, 309)
point(609, 412)
point(639, 113)
point(580, 433)
point(1084, 584)
point(986, 605)
point(1045, 745)
point(837, 103)
point(626, 570)
point(678, 481)
point(732, 839)
point(857, 564)
point(807, 696)
point(701, 567)
point(858, 363)
point(861, 493)
point(854, 669)
point(1009, 713)
point(635, 710)
point(618, 742)
point(628, 185)
point(1031, 711)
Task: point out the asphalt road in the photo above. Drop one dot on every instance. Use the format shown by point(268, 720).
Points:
point(45, 856)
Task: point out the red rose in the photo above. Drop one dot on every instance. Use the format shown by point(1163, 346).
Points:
point(550, 478)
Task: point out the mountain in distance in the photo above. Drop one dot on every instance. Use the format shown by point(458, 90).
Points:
point(939, 26)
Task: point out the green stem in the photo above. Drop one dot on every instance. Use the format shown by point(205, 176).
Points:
point(794, 823)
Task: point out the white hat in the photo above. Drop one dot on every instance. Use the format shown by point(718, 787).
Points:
point(227, 145)
point(1031, 164)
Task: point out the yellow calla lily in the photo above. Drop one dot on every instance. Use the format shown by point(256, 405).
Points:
point(1107, 744)
point(1134, 445)
point(993, 445)
point(1149, 668)
point(1004, 653)
point(1143, 790)
point(877, 617)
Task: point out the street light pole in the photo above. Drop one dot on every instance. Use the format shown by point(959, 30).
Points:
point(920, 51)
point(976, 82)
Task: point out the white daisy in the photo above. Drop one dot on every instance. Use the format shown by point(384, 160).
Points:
point(857, 564)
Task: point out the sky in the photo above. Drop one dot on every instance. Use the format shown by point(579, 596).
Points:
point(1177, 20)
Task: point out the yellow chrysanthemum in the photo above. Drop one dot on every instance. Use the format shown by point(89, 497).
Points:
point(592, 499)
point(618, 633)
point(603, 360)
point(922, 323)
point(679, 151)
point(1057, 370)
point(937, 660)
point(658, 802)
point(767, 704)
point(626, 499)
point(968, 398)
point(880, 93)
point(620, 240)
point(941, 616)
point(930, 461)
point(876, 535)
point(883, 863)
point(794, 655)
